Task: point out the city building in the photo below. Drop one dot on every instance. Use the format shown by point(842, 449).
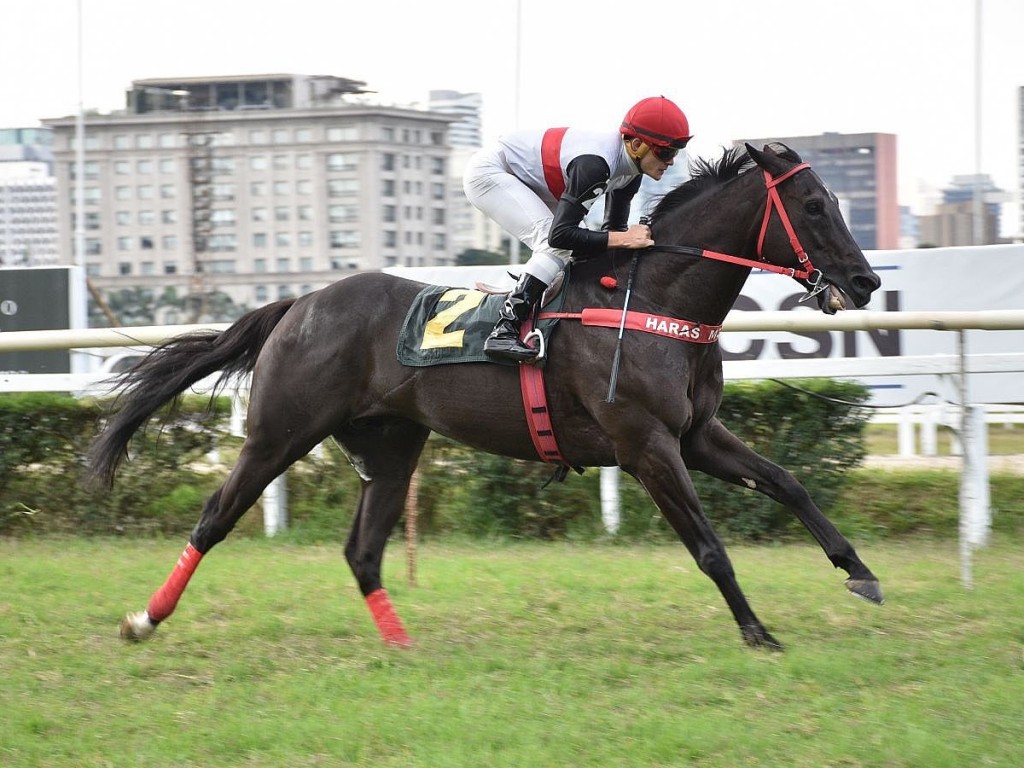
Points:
point(860, 168)
point(28, 198)
point(955, 222)
point(253, 187)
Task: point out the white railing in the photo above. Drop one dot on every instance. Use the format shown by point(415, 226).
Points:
point(975, 514)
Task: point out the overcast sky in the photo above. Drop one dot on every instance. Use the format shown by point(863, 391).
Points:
point(738, 68)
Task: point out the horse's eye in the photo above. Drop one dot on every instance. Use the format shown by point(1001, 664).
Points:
point(814, 207)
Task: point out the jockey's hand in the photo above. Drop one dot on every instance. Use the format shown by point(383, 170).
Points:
point(637, 236)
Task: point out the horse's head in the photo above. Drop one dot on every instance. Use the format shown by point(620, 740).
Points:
point(803, 228)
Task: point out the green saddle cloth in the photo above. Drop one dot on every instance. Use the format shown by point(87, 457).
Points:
point(449, 325)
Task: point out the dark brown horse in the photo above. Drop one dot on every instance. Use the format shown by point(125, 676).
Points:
point(324, 365)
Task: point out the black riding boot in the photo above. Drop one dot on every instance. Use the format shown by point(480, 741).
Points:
point(504, 343)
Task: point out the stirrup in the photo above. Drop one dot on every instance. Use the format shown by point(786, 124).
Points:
point(541, 346)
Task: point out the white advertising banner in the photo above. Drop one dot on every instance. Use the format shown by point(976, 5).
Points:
point(933, 279)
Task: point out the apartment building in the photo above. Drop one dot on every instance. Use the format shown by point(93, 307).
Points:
point(257, 187)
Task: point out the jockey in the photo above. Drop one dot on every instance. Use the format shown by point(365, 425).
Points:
point(539, 186)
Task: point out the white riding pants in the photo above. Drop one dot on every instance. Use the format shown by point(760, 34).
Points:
point(495, 190)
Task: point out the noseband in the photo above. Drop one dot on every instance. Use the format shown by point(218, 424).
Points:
point(807, 271)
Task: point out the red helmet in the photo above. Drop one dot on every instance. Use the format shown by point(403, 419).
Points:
point(657, 121)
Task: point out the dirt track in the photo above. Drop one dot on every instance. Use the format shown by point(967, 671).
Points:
point(1013, 464)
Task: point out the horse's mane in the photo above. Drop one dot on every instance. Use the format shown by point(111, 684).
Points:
point(706, 174)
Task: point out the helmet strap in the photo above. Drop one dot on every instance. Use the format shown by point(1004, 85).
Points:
point(636, 154)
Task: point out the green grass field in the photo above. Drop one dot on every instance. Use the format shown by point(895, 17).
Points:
point(1003, 440)
point(525, 655)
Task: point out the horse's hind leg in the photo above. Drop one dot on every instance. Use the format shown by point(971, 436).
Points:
point(267, 452)
point(715, 451)
point(385, 452)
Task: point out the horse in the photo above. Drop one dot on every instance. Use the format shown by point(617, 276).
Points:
point(324, 365)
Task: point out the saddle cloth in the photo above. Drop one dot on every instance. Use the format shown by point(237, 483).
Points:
point(449, 325)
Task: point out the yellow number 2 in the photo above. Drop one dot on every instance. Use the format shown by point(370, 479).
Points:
point(435, 335)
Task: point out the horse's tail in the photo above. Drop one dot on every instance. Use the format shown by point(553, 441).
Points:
point(171, 368)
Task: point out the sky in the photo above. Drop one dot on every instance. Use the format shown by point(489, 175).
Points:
point(738, 68)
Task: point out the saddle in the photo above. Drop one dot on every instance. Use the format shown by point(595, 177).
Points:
point(447, 325)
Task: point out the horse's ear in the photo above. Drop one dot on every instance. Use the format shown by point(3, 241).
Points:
point(767, 159)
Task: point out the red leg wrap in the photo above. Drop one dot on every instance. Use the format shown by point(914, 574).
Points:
point(387, 620)
point(162, 604)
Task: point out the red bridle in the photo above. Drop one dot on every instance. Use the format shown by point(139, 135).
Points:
point(807, 271)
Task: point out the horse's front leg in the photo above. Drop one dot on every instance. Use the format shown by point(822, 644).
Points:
point(658, 466)
point(714, 450)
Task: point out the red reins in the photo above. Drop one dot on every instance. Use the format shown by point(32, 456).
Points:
point(774, 202)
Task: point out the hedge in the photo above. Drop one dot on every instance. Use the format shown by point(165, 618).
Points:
point(814, 428)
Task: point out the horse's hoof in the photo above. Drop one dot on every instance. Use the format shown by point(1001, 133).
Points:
point(757, 636)
point(136, 626)
point(868, 589)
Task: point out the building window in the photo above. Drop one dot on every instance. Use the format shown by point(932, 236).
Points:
point(121, 167)
point(387, 161)
point(304, 187)
point(124, 243)
point(168, 140)
point(279, 136)
point(343, 133)
point(222, 217)
point(260, 292)
point(283, 239)
point(169, 217)
point(340, 214)
point(341, 161)
point(122, 141)
point(304, 213)
point(170, 267)
point(123, 193)
point(281, 162)
point(169, 242)
point(282, 213)
point(146, 218)
point(258, 163)
point(303, 135)
point(258, 189)
point(258, 214)
point(123, 218)
point(93, 247)
point(440, 242)
point(303, 162)
point(306, 264)
point(145, 192)
point(437, 166)
point(438, 217)
point(167, 191)
point(282, 188)
point(146, 243)
point(259, 265)
point(257, 137)
point(259, 239)
point(144, 166)
point(124, 268)
point(344, 239)
point(342, 187)
point(147, 268)
point(284, 265)
point(387, 187)
point(167, 165)
point(143, 141)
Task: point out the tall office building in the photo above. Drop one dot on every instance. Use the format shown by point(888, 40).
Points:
point(28, 198)
point(1020, 160)
point(257, 187)
point(954, 221)
point(860, 168)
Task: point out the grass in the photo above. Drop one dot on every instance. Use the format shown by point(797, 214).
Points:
point(526, 655)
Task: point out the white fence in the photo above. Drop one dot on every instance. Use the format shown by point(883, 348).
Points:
point(974, 497)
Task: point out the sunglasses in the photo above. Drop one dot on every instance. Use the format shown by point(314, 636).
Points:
point(665, 154)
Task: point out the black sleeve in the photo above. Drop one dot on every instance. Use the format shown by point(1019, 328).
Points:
point(616, 207)
point(587, 180)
